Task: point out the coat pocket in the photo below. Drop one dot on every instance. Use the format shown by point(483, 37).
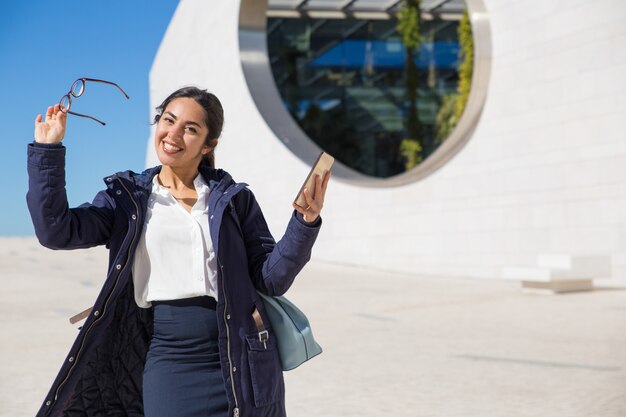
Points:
point(265, 371)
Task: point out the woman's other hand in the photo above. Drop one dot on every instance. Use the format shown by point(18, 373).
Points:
point(314, 201)
point(52, 130)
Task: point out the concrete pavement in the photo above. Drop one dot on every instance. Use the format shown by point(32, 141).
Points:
point(394, 344)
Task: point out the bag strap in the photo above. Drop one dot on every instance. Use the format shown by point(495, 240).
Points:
point(78, 317)
point(260, 326)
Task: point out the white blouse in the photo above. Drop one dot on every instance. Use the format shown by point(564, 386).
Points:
point(175, 257)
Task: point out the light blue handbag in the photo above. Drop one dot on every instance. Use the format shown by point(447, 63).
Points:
point(294, 337)
point(296, 344)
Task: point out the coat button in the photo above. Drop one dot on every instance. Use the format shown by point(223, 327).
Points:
point(96, 313)
point(225, 192)
point(71, 359)
point(118, 192)
point(118, 267)
point(234, 369)
point(228, 317)
point(134, 217)
point(211, 217)
point(48, 403)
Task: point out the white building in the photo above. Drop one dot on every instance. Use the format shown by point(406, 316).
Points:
point(543, 170)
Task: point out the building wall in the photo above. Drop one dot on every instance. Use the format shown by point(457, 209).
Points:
point(545, 170)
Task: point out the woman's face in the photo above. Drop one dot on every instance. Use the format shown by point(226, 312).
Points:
point(181, 133)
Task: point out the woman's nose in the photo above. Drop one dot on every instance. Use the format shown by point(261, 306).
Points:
point(175, 132)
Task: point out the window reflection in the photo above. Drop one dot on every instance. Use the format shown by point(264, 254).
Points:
point(345, 83)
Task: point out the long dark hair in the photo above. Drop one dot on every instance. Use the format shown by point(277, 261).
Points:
point(214, 115)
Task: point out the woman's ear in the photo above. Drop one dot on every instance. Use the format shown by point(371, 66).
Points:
point(209, 147)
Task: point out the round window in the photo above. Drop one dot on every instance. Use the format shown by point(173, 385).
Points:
point(379, 85)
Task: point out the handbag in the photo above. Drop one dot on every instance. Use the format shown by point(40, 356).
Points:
point(294, 336)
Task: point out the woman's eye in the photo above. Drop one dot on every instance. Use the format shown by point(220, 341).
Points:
point(192, 130)
point(168, 120)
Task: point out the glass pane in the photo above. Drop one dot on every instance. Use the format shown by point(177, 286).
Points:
point(358, 92)
point(372, 4)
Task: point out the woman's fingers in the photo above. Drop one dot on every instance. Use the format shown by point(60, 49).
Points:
point(314, 202)
point(62, 117)
point(38, 128)
point(307, 213)
point(54, 112)
point(321, 184)
point(298, 208)
point(318, 187)
point(310, 200)
point(326, 179)
point(52, 128)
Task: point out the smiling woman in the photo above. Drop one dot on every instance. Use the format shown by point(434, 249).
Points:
point(190, 250)
point(206, 119)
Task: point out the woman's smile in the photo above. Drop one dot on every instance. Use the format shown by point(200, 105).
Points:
point(170, 148)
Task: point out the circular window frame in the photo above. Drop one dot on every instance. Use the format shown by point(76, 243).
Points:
point(260, 80)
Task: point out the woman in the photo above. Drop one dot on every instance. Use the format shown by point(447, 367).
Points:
point(171, 332)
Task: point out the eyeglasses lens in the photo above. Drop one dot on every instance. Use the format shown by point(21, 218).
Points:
point(78, 88)
point(65, 103)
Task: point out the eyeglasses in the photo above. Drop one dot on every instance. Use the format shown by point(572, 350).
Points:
point(77, 90)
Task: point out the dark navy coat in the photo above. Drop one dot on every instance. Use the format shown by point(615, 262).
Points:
point(102, 373)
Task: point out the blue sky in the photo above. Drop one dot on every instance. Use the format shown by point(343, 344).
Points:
point(44, 47)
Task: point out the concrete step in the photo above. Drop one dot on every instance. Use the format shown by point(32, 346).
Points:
point(556, 273)
point(595, 266)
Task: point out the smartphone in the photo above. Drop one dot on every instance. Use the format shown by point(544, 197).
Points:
point(323, 163)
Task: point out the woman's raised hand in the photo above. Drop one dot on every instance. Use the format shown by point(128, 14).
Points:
point(314, 201)
point(52, 130)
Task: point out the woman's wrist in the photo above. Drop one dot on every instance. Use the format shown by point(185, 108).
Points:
point(46, 141)
point(47, 144)
point(308, 219)
point(304, 221)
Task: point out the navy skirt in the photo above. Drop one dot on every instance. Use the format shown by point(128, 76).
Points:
point(182, 375)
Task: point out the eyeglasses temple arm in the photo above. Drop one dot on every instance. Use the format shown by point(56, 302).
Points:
point(107, 82)
point(89, 117)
